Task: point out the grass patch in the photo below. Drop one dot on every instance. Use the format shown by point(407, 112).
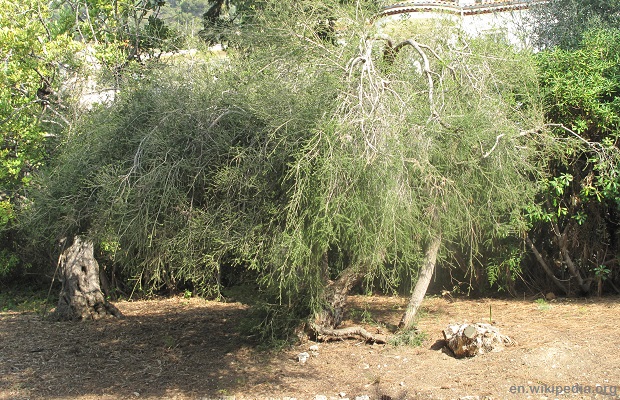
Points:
point(411, 338)
point(542, 304)
point(25, 299)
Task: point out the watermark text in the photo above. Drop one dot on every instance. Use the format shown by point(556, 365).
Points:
point(605, 390)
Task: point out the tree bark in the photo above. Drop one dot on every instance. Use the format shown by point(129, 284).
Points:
point(545, 266)
point(81, 297)
point(326, 322)
point(408, 320)
point(336, 297)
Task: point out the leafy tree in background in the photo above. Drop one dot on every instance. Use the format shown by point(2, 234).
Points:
point(131, 27)
point(581, 89)
point(50, 52)
point(563, 22)
point(32, 109)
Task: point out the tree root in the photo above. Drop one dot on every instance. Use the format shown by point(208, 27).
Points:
point(325, 334)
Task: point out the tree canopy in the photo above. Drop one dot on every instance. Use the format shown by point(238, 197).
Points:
point(315, 155)
point(301, 161)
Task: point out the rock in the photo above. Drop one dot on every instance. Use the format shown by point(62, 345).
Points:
point(303, 357)
point(550, 296)
point(314, 347)
point(342, 394)
point(320, 397)
point(468, 340)
point(363, 397)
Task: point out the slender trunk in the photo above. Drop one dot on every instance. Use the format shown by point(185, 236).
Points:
point(81, 297)
point(545, 266)
point(572, 268)
point(421, 286)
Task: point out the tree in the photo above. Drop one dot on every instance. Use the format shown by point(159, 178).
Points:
point(33, 111)
point(415, 161)
point(310, 165)
point(563, 22)
point(81, 297)
point(580, 209)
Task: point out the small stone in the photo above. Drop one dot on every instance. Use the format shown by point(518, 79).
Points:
point(314, 347)
point(320, 397)
point(303, 357)
point(342, 394)
point(363, 397)
point(550, 296)
point(136, 394)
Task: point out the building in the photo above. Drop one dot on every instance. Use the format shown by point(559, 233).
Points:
point(475, 17)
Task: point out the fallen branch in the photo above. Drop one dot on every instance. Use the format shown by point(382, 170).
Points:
point(325, 334)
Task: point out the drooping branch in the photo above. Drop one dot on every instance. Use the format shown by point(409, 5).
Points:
point(426, 66)
point(488, 153)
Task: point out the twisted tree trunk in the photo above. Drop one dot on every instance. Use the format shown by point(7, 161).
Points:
point(81, 297)
point(326, 322)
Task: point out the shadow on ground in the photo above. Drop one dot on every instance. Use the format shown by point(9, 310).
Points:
point(193, 352)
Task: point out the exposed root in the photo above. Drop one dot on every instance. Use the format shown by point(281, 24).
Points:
point(325, 334)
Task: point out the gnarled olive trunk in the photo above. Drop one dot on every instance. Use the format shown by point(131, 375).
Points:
point(81, 297)
point(326, 321)
point(336, 297)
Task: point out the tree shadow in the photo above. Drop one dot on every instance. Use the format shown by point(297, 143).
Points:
point(186, 351)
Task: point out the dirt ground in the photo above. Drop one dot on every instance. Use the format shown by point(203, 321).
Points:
point(189, 349)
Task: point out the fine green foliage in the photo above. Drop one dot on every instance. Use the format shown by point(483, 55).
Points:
point(185, 172)
point(297, 158)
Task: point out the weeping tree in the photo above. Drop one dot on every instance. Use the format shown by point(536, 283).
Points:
point(312, 165)
point(433, 147)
